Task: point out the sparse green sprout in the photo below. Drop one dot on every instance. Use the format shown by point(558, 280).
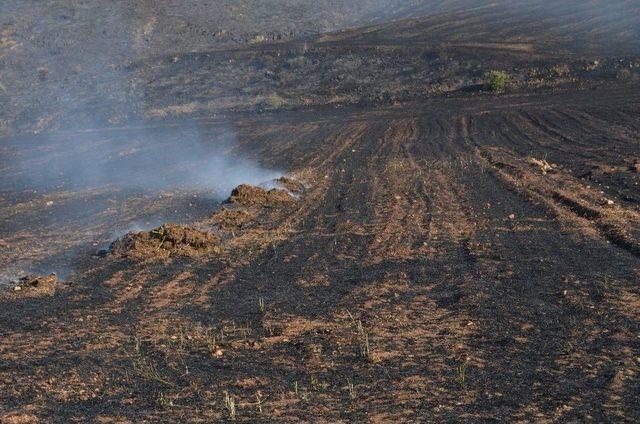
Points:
point(314, 381)
point(138, 344)
point(261, 304)
point(365, 348)
point(497, 80)
point(164, 400)
point(43, 73)
point(210, 340)
point(351, 388)
point(268, 328)
point(462, 374)
point(259, 402)
point(230, 405)
point(363, 338)
point(148, 370)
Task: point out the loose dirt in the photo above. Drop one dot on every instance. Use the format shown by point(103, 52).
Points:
point(448, 255)
point(250, 196)
point(167, 240)
point(35, 285)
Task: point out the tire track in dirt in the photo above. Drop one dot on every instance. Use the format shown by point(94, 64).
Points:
point(520, 304)
point(399, 188)
point(470, 314)
point(473, 294)
point(614, 223)
point(527, 322)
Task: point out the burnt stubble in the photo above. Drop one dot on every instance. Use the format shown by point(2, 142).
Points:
point(286, 212)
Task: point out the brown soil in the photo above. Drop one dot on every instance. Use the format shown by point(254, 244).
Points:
point(35, 285)
point(228, 219)
point(167, 240)
point(247, 195)
point(460, 256)
point(475, 261)
point(291, 184)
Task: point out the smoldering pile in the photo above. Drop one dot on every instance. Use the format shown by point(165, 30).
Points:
point(272, 193)
point(241, 210)
point(36, 285)
point(167, 240)
point(250, 195)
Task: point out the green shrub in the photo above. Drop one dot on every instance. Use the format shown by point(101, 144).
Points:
point(497, 80)
point(43, 73)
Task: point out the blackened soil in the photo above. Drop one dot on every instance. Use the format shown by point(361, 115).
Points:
point(464, 258)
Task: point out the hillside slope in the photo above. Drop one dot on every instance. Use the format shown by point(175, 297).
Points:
point(423, 249)
point(86, 65)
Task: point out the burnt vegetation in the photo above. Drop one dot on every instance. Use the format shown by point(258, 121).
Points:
point(420, 212)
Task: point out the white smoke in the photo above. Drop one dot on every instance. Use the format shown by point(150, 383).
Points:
point(144, 159)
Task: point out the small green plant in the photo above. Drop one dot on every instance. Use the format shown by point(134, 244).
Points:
point(147, 369)
point(137, 344)
point(268, 328)
point(165, 400)
point(314, 383)
point(365, 348)
point(462, 374)
point(351, 388)
point(210, 340)
point(363, 338)
point(230, 405)
point(261, 304)
point(497, 80)
point(259, 402)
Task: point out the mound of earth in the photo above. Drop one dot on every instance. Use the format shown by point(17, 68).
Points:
point(294, 186)
point(231, 218)
point(167, 240)
point(249, 195)
point(36, 285)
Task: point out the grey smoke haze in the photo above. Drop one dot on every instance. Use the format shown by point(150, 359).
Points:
point(104, 184)
point(63, 64)
point(76, 49)
point(80, 48)
point(138, 159)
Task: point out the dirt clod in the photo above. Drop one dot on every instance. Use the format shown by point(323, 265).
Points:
point(291, 184)
point(250, 195)
point(231, 218)
point(542, 165)
point(167, 240)
point(36, 285)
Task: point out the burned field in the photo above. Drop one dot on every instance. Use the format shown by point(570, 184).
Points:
point(393, 240)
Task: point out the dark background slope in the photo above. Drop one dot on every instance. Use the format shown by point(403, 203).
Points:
point(66, 61)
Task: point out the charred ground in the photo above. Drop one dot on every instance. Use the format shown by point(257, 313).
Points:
point(438, 252)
